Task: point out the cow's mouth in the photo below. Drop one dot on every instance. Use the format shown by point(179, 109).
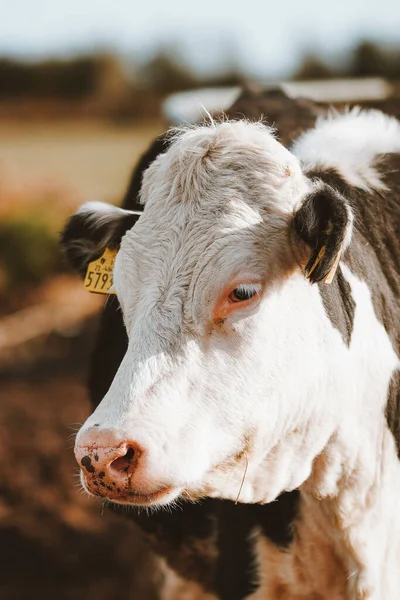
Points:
point(158, 497)
point(128, 496)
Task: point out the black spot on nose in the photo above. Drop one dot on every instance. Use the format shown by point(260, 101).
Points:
point(87, 463)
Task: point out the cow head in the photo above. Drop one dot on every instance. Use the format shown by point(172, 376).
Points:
point(226, 387)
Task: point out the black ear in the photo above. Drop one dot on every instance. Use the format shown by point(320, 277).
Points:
point(323, 223)
point(93, 228)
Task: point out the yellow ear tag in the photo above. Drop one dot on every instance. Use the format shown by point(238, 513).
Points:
point(99, 274)
point(317, 261)
point(332, 272)
point(329, 277)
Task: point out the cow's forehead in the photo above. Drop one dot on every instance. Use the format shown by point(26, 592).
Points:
point(208, 203)
point(216, 179)
point(166, 248)
point(207, 165)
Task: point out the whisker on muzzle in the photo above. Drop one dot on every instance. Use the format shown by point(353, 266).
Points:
point(244, 477)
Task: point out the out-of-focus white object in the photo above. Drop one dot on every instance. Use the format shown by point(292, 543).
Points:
point(189, 107)
point(339, 90)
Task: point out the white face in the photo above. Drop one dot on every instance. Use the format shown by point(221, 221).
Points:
point(218, 390)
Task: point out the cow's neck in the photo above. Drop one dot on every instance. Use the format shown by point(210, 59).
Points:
point(349, 522)
point(352, 497)
point(346, 542)
point(353, 492)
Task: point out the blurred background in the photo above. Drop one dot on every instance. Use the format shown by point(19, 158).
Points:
point(85, 85)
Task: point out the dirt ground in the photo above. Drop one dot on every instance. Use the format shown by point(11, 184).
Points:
point(55, 543)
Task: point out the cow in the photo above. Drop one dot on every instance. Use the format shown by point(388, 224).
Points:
point(259, 292)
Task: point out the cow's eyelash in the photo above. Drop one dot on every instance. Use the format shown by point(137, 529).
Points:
point(244, 292)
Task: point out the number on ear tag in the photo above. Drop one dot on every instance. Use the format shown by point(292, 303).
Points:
point(99, 274)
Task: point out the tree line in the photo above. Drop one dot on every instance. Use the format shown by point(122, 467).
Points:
point(101, 85)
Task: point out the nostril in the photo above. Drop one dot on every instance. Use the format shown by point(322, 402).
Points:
point(130, 453)
point(124, 462)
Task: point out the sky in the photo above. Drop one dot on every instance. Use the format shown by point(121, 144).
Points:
point(262, 37)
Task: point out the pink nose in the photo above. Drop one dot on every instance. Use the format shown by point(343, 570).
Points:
point(108, 465)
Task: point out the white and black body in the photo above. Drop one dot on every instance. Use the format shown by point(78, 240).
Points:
point(243, 376)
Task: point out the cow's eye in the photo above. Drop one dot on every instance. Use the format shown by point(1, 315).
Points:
point(243, 292)
point(242, 296)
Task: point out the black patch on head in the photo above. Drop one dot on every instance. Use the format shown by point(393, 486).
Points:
point(86, 236)
point(322, 220)
point(339, 305)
